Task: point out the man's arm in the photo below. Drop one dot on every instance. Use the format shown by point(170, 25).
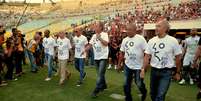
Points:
point(120, 61)
point(145, 66)
point(178, 67)
point(178, 63)
point(105, 43)
point(197, 56)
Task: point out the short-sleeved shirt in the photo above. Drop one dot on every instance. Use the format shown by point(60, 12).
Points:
point(191, 44)
point(63, 48)
point(49, 44)
point(134, 51)
point(163, 51)
point(100, 51)
point(80, 43)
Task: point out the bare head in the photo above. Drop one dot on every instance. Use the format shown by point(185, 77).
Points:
point(62, 34)
point(99, 27)
point(78, 31)
point(131, 29)
point(193, 32)
point(162, 27)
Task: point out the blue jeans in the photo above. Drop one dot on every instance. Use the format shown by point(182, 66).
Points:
point(32, 61)
point(160, 82)
point(79, 66)
point(91, 56)
point(101, 69)
point(50, 64)
point(129, 76)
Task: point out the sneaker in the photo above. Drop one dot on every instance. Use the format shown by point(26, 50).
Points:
point(56, 74)
point(109, 67)
point(15, 79)
point(144, 96)
point(79, 83)
point(3, 84)
point(104, 87)
point(47, 79)
point(115, 67)
point(198, 95)
point(191, 81)
point(95, 93)
point(182, 82)
point(61, 83)
point(34, 71)
point(84, 75)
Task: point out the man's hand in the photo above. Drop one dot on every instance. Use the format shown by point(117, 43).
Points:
point(177, 76)
point(98, 36)
point(82, 53)
point(119, 67)
point(142, 73)
point(195, 64)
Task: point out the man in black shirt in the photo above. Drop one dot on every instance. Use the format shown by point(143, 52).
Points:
point(195, 65)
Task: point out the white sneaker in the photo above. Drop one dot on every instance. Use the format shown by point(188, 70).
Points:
point(47, 79)
point(182, 82)
point(109, 67)
point(191, 81)
point(115, 67)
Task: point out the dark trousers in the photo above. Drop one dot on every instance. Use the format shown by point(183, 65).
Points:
point(160, 82)
point(79, 65)
point(187, 72)
point(10, 67)
point(129, 76)
point(18, 62)
point(101, 69)
point(1, 67)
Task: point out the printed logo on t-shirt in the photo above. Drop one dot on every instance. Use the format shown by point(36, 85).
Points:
point(129, 51)
point(157, 48)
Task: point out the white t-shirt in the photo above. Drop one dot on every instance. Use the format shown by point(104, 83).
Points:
point(80, 43)
point(134, 51)
point(163, 51)
point(49, 44)
point(100, 51)
point(191, 44)
point(63, 48)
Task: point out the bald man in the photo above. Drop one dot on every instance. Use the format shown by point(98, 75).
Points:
point(161, 52)
point(132, 49)
point(190, 44)
point(195, 65)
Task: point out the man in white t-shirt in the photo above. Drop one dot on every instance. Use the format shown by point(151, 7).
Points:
point(99, 42)
point(162, 52)
point(63, 44)
point(79, 43)
point(190, 44)
point(132, 48)
point(197, 64)
point(49, 45)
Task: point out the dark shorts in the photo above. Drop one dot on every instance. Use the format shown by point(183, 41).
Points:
point(113, 53)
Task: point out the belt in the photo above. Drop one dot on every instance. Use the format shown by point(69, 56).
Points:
point(159, 69)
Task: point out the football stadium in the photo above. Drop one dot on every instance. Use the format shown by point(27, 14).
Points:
point(100, 50)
